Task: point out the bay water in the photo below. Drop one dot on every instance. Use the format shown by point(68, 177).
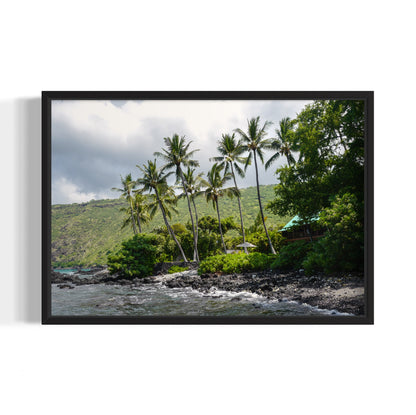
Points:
point(159, 300)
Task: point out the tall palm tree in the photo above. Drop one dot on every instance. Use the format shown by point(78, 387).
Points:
point(176, 154)
point(283, 143)
point(126, 191)
point(194, 185)
point(255, 142)
point(154, 180)
point(231, 152)
point(215, 189)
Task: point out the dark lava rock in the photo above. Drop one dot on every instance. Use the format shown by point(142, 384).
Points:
point(146, 280)
point(65, 286)
point(163, 267)
point(205, 276)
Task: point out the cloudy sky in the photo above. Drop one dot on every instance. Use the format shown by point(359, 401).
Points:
point(94, 142)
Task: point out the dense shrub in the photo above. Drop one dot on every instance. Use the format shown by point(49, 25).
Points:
point(342, 247)
point(169, 251)
point(259, 238)
point(210, 224)
point(209, 240)
point(316, 259)
point(292, 255)
point(177, 268)
point(136, 257)
point(236, 263)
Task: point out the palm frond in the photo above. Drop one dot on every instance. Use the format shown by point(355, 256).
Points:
point(271, 160)
point(243, 135)
point(217, 159)
point(248, 161)
point(291, 159)
point(260, 154)
point(239, 170)
point(232, 192)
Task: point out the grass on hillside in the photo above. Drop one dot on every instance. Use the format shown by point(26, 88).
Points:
point(83, 234)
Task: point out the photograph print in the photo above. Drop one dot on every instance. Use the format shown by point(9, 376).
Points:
point(207, 207)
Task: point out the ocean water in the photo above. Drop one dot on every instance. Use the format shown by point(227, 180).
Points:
point(158, 300)
point(69, 271)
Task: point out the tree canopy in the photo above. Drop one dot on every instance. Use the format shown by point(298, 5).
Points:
point(329, 137)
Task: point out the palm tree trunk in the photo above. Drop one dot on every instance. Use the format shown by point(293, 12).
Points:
point(196, 220)
point(239, 207)
point(170, 230)
point(132, 217)
point(261, 208)
point(219, 223)
point(196, 256)
point(138, 222)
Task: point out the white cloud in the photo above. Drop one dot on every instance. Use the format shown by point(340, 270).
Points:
point(66, 192)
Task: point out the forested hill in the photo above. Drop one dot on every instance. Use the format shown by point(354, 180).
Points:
point(83, 234)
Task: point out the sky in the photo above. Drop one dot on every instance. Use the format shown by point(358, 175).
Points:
point(96, 141)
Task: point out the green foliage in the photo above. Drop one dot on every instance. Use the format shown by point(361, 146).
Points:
point(179, 228)
point(82, 234)
point(329, 136)
point(210, 224)
point(236, 263)
point(342, 247)
point(215, 186)
point(283, 144)
point(316, 259)
point(177, 268)
point(228, 224)
point(208, 244)
point(328, 179)
point(259, 239)
point(168, 248)
point(292, 255)
point(136, 257)
point(126, 191)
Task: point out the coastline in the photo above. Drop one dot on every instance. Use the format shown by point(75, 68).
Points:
point(341, 292)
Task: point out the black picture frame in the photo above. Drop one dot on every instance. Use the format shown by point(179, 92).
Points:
point(367, 96)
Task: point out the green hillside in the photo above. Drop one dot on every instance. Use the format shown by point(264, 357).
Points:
point(84, 233)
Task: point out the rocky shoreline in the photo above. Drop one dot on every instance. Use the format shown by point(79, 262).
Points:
point(341, 292)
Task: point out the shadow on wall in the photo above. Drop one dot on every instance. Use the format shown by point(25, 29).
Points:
point(20, 299)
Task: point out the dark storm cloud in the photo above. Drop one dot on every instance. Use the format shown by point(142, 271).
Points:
point(97, 168)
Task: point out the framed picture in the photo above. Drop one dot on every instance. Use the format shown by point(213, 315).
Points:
point(207, 207)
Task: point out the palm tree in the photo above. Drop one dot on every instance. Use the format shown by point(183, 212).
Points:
point(255, 142)
point(154, 180)
point(231, 152)
point(194, 185)
point(141, 209)
point(282, 144)
point(126, 191)
point(177, 154)
point(140, 217)
point(215, 189)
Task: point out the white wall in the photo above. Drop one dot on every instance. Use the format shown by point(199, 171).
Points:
point(184, 45)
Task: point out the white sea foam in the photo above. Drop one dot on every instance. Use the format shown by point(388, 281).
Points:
point(254, 298)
